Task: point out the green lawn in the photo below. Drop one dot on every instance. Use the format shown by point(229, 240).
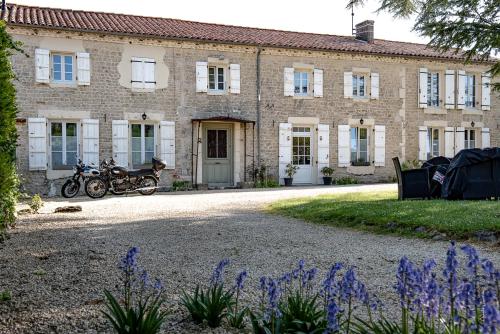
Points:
point(382, 212)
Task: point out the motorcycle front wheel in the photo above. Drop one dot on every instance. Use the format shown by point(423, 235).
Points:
point(148, 182)
point(95, 187)
point(70, 189)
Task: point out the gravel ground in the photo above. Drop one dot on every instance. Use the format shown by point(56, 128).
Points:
point(57, 265)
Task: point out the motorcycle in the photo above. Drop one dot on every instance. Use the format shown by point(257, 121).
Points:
point(80, 171)
point(118, 180)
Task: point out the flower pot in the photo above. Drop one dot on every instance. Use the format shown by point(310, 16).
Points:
point(288, 181)
point(327, 180)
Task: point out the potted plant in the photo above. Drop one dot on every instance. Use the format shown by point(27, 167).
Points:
point(327, 175)
point(290, 172)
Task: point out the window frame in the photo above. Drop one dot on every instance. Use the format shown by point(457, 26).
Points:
point(217, 157)
point(306, 134)
point(468, 140)
point(358, 162)
point(143, 61)
point(64, 152)
point(63, 56)
point(433, 90)
point(430, 153)
point(356, 88)
point(470, 97)
point(216, 77)
point(143, 162)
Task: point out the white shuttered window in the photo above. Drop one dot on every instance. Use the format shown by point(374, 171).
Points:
point(143, 73)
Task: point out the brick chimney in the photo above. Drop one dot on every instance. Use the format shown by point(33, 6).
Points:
point(364, 31)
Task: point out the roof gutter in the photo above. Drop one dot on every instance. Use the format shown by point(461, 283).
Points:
point(207, 41)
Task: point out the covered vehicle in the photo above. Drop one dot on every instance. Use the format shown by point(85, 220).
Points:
point(473, 174)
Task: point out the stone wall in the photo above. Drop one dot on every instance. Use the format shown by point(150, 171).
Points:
point(107, 98)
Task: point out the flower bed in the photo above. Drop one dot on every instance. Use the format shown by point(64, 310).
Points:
point(455, 299)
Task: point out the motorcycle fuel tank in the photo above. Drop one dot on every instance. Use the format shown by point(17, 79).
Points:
point(119, 171)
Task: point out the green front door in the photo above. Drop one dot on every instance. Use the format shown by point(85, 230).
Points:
point(218, 155)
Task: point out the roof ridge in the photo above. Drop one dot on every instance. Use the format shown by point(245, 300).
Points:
point(204, 23)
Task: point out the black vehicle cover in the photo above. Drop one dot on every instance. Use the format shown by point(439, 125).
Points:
point(456, 179)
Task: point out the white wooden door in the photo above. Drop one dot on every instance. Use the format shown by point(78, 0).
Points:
point(302, 148)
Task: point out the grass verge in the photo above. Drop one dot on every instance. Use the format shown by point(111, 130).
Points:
point(381, 212)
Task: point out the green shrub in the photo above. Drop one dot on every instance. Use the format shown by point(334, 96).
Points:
point(262, 178)
point(5, 296)
point(267, 184)
point(180, 185)
point(327, 171)
point(9, 182)
point(346, 180)
point(36, 203)
point(411, 164)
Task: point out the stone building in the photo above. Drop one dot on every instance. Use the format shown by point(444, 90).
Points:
point(214, 101)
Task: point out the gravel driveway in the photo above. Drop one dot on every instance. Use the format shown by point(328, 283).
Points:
point(57, 265)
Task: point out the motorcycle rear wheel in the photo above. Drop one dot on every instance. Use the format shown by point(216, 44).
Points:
point(148, 181)
point(95, 187)
point(70, 189)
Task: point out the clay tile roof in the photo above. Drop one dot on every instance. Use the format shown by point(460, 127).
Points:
point(154, 27)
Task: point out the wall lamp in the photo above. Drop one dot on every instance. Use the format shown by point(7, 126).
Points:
point(361, 121)
point(144, 116)
point(472, 124)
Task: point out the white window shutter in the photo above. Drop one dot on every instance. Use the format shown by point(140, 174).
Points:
point(167, 145)
point(120, 142)
point(485, 91)
point(323, 148)
point(379, 145)
point(83, 64)
point(422, 88)
point(201, 76)
point(344, 150)
point(318, 83)
point(449, 86)
point(234, 75)
point(347, 85)
point(149, 73)
point(422, 143)
point(137, 73)
point(375, 86)
point(90, 152)
point(42, 62)
point(459, 139)
point(285, 148)
point(485, 138)
point(449, 142)
point(289, 85)
point(461, 90)
point(37, 143)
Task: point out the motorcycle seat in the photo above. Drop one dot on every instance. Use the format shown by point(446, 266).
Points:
point(140, 172)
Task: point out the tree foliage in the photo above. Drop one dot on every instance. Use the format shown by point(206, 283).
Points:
point(9, 183)
point(471, 27)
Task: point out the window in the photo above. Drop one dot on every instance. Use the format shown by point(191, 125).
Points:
point(358, 85)
point(216, 78)
point(470, 91)
point(301, 84)
point(433, 89)
point(432, 143)
point(62, 68)
point(470, 138)
point(143, 73)
point(216, 144)
point(359, 147)
point(143, 143)
point(63, 144)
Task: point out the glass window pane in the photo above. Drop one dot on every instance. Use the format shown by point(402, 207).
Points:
point(472, 134)
point(211, 77)
point(355, 85)
point(56, 129)
point(296, 80)
point(149, 144)
point(149, 130)
point(136, 144)
point(136, 158)
point(136, 130)
point(56, 143)
point(71, 157)
point(68, 68)
point(361, 85)
point(71, 144)
point(212, 143)
point(70, 129)
point(56, 159)
point(222, 144)
point(220, 79)
point(363, 133)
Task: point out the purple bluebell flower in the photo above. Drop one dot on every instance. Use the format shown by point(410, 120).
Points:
point(286, 278)
point(347, 285)
point(158, 285)
point(128, 264)
point(492, 273)
point(473, 259)
point(240, 279)
point(273, 294)
point(491, 319)
point(263, 283)
point(309, 276)
point(431, 296)
point(450, 275)
point(465, 298)
point(333, 325)
point(299, 270)
point(144, 279)
point(330, 287)
point(218, 274)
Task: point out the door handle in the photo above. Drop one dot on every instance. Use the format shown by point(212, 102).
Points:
point(217, 163)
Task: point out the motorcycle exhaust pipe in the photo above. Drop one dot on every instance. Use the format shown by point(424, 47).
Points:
point(141, 189)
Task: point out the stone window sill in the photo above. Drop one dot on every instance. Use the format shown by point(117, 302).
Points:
point(435, 111)
point(217, 92)
point(63, 85)
point(303, 97)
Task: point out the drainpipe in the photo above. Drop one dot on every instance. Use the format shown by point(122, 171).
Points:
point(258, 106)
